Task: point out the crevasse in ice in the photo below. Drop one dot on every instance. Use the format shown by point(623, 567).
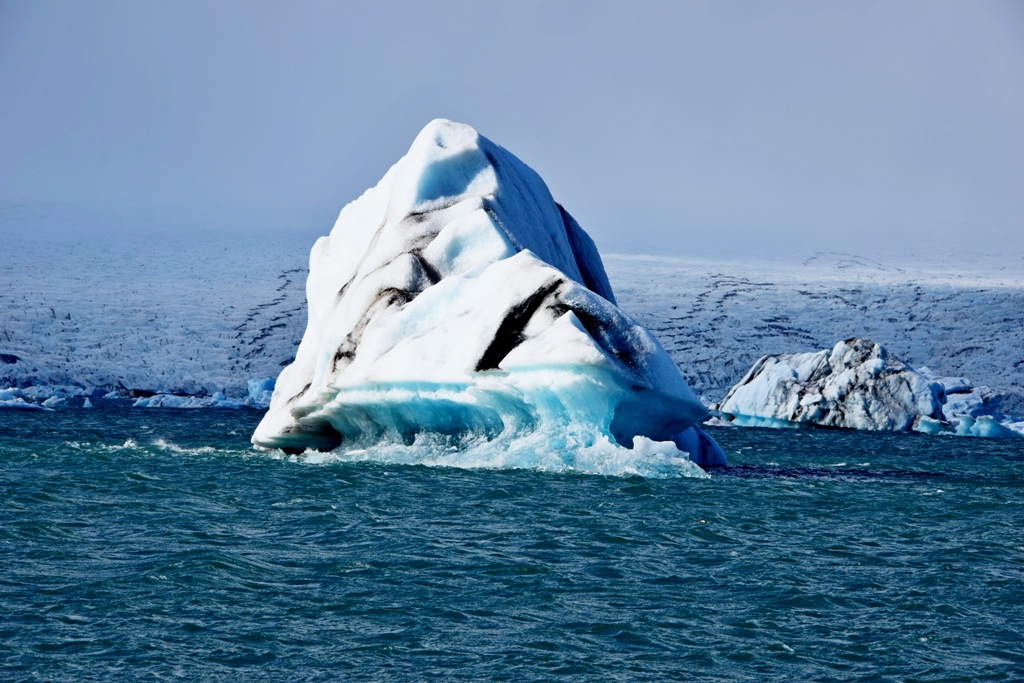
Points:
point(458, 315)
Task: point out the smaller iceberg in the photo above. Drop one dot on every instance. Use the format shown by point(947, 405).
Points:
point(857, 384)
point(56, 402)
point(261, 390)
point(13, 398)
point(974, 410)
point(46, 398)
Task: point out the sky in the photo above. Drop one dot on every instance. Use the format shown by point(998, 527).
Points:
point(683, 128)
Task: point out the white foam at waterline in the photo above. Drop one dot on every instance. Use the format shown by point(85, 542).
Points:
point(159, 445)
point(180, 450)
point(533, 451)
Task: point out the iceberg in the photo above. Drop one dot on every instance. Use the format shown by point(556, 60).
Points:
point(46, 398)
point(12, 398)
point(55, 402)
point(985, 426)
point(260, 391)
point(974, 410)
point(21, 404)
point(856, 384)
point(458, 315)
point(218, 400)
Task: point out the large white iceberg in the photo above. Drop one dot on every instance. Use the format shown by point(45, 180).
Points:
point(458, 315)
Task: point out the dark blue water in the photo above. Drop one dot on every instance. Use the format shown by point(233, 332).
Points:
point(143, 545)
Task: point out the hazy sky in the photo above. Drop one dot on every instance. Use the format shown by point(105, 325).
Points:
point(696, 128)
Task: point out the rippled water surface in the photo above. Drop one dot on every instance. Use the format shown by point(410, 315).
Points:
point(137, 545)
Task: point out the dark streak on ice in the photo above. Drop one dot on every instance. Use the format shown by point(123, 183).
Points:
point(510, 332)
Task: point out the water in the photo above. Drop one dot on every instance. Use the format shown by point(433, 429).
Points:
point(153, 544)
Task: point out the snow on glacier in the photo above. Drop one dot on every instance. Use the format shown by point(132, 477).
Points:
point(140, 311)
point(120, 310)
point(456, 305)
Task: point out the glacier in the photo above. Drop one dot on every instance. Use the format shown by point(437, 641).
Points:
point(205, 313)
point(858, 384)
point(458, 312)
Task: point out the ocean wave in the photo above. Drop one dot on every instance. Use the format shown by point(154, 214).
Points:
point(576, 451)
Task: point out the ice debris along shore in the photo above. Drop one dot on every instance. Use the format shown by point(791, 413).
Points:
point(458, 312)
point(260, 391)
point(43, 398)
point(857, 384)
point(13, 398)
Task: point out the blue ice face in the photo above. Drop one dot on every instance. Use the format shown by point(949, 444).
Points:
point(450, 176)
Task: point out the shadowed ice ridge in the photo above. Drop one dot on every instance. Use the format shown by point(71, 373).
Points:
point(459, 316)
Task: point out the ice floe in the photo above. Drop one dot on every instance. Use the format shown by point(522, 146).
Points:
point(13, 399)
point(858, 384)
point(218, 400)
